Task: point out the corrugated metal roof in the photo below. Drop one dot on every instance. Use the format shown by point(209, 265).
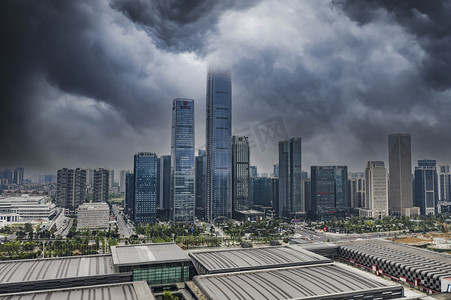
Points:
point(242, 259)
point(55, 268)
point(126, 291)
point(302, 282)
point(148, 254)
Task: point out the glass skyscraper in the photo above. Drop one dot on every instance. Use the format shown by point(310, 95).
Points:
point(218, 141)
point(329, 186)
point(182, 161)
point(240, 173)
point(426, 187)
point(146, 188)
point(200, 171)
point(290, 178)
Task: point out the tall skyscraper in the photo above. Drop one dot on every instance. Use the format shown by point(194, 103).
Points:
point(200, 190)
point(329, 186)
point(71, 188)
point(262, 190)
point(444, 178)
point(146, 170)
point(129, 193)
point(165, 182)
point(426, 187)
point(376, 191)
point(18, 176)
point(240, 173)
point(182, 161)
point(290, 178)
point(218, 141)
point(89, 178)
point(400, 198)
point(101, 186)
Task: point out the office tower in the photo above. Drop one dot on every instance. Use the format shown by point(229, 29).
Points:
point(275, 195)
point(7, 175)
point(275, 173)
point(182, 161)
point(218, 141)
point(200, 174)
point(89, 178)
point(122, 174)
point(101, 185)
point(426, 187)
point(146, 170)
point(444, 179)
point(240, 173)
point(376, 191)
point(18, 176)
point(129, 194)
point(356, 192)
point(262, 191)
point(290, 178)
point(253, 171)
point(165, 182)
point(329, 186)
point(110, 179)
point(307, 193)
point(400, 199)
point(71, 188)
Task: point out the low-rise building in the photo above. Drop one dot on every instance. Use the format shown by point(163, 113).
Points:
point(26, 208)
point(93, 216)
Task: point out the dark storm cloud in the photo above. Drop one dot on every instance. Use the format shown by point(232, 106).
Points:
point(429, 21)
point(178, 25)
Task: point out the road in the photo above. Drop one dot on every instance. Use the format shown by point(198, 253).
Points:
point(126, 230)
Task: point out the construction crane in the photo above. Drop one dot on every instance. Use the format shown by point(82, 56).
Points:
point(446, 229)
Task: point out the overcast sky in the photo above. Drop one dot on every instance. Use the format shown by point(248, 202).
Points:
point(90, 83)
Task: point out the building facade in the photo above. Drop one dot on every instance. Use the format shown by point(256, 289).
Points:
point(94, 216)
point(200, 186)
point(329, 186)
point(182, 161)
point(290, 178)
point(376, 191)
point(262, 191)
point(400, 197)
point(71, 188)
point(444, 178)
point(165, 182)
point(240, 173)
point(146, 170)
point(219, 146)
point(18, 176)
point(426, 187)
point(101, 185)
point(129, 194)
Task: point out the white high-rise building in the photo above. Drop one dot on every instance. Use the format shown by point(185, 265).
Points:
point(376, 190)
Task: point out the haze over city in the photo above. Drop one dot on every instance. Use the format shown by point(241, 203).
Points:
point(91, 83)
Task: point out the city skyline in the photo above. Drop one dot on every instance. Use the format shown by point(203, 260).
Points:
point(340, 74)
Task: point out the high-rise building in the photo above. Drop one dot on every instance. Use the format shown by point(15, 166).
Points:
point(110, 179)
point(444, 178)
point(101, 185)
point(146, 170)
point(253, 171)
point(6, 175)
point(275, 172)
point(165, 182)
point(400, 199)
point(219, 146)
point(357, 192)
point(240, 173)
point(200, 169)
point(329, 186)
point(18, 176)
point(376, 191)
point(275, 195)
point(89, 178)
point(426, 187)
point(262, 190)
point(182, 161)
point(71, 188)
point(129, 193)
point(122, 174)
point(290, 178)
